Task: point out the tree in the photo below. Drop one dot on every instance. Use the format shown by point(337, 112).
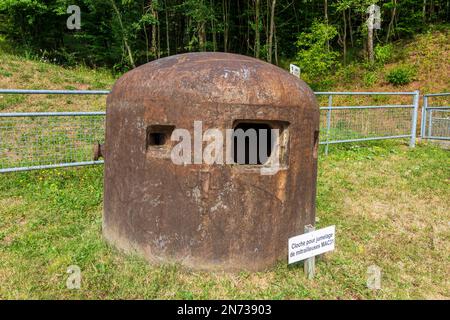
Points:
point(342, 7)
point(372, 21)
point(257, 29)
point(313, 56)
point(125, 33)
point(393, 6)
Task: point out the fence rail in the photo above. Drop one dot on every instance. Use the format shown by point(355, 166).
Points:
point(40, 140)
point(30, 141)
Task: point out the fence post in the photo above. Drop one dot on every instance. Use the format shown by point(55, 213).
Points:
point(330, 103)
point(424, 116)
point(412, 142)
point(310, 263)
point(430, 122)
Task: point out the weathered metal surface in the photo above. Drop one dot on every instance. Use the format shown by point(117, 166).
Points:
point(226, 217)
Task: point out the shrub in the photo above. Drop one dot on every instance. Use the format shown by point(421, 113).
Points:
point(401, 75)
point(314, 57)
point(370, 78)
point(383, 54)
point(349, 73)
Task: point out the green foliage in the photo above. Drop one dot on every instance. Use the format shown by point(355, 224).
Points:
point(383, 53)
point(370, 78)
point(10, 100)
point(122, 33)
point(401, 75)
point(5, 73)
point(314, 57)
point(350, 73)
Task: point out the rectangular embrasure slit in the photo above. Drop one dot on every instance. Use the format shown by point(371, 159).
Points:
point(159, 135)
point(254, 141)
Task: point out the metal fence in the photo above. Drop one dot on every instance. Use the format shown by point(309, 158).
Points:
point(61, 139)
point(340, 124)
point(42, 140)
point(435, 124)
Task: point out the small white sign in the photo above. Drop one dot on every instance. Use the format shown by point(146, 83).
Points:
point(311, 244)
point(295, 70)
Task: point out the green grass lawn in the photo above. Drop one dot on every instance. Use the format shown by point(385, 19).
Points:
point(390, 205)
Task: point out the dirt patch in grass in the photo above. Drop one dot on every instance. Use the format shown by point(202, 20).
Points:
point(11, 202)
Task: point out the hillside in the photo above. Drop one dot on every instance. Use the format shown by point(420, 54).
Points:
point(427, 55)
point(22, 72)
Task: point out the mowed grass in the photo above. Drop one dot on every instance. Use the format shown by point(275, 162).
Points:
point(390, 205)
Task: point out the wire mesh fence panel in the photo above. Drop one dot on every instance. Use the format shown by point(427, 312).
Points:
point(437, 124)
point(385, 116)
point(436, 116)
point(356, 123)
point(33, 140)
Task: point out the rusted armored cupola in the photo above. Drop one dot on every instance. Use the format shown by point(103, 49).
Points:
point(171, 204)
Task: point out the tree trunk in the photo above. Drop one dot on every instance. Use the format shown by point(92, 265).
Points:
point(447, 7)
point(424, 11)
point(225, 24)
point(370, 45)
point(201, 31)
point(276, 45)
point(272, 27)
point(202, 36)
point(124, 36)
point(431, 10)
point(159, 36)
point(344, 37)
point(267, 27)
point(146, 37)
point(350, 29)
point(213, 27)
point(391, 23)
point(297, 22)
point(257, 34)
point(326, 20)
point(154, 31)
point(167, 29)
point(370, 25)
point(187, 34)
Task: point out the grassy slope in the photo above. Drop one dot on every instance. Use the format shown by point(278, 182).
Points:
point(18, 72)
point(390, 205)
point(429, 53)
